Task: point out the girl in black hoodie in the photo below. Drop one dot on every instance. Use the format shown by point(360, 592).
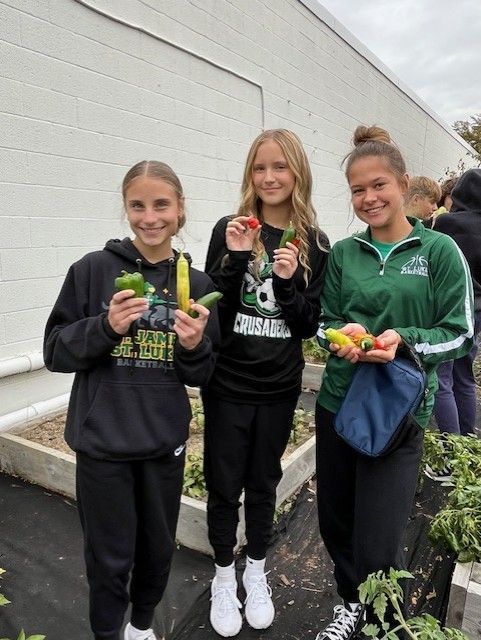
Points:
point(129, 413)
point(271, 302)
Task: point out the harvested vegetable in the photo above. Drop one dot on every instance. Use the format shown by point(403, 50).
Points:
point(253, 223)
point(336, 337)
point(206, 301)
point(288, 236)
point(183, 283)
point(366, 341)
point(134, 281)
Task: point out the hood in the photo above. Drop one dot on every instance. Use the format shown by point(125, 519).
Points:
point(466, 194)
point(127, 250)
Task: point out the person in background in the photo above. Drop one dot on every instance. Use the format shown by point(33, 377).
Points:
point(455, 404)
point(129, 414)
point(422, 199)
point(445, 201)
point(407, 285)
point(271, 302)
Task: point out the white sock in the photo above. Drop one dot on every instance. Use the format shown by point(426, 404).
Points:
point(225, 575)
point(137, 634)
point(255, 567)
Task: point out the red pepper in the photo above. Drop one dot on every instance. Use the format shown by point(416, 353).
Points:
point(253, 223)
point(296, 242)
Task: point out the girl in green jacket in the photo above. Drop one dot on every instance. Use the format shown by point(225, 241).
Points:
point(404, 284)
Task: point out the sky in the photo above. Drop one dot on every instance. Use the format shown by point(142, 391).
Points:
point(433, 46)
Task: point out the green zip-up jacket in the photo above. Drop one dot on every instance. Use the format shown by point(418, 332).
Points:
point(422, 290)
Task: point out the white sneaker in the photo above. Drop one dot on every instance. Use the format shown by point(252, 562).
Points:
point(131, 633)
point(345, 625)
point(225, 616)
point(259, 609)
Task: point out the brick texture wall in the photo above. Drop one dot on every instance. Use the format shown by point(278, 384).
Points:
point(85, 95)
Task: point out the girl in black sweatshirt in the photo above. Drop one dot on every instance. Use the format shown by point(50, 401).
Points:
point(129, 413)
point(271, 302)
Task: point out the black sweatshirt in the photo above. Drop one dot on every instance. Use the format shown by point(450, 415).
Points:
point(128, 398)
point(262, 321)
point(463, 224)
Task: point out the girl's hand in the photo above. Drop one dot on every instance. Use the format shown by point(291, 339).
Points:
point(352, 329)
point(390, 341)
point(239, 236)
point(191, 330)
point(349, 351)
point(285, 261)
point(124, 309)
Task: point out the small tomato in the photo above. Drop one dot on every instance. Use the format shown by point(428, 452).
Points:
point(253, 223)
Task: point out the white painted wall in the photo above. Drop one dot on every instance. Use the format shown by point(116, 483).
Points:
point(90, 87)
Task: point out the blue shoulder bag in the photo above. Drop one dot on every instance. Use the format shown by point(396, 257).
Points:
point(381, 402)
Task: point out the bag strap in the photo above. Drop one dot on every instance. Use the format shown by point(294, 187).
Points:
point(407, 351)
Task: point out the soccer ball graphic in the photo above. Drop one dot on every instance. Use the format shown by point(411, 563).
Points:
point(266, 302)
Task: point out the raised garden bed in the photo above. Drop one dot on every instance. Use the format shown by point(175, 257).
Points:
point(54, 469)
point(464, 607)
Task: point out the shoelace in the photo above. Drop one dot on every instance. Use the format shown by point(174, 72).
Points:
point(259, 592)
point(225, 600)
point(343, 623)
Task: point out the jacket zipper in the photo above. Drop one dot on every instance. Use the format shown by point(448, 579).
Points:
point(382, 261)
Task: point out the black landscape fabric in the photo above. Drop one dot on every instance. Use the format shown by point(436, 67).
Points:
point(41, 549)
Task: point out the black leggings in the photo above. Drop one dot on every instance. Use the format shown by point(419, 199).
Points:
point(364, 503)
point(243, 449)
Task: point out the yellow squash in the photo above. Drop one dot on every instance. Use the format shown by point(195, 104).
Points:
point(183, 283)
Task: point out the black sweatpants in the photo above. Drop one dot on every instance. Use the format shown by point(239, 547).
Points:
point(364, 503)
point(243, 449)
point(129, 513)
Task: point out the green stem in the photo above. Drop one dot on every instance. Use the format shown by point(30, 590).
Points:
point(402, 624)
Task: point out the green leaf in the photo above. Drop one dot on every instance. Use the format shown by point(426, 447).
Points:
point(21, 635)
point(371, 630)
point(36, 637)
point(3, 600)
point(380, 605)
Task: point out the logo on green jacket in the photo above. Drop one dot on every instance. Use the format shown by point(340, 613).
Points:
point(416, 266)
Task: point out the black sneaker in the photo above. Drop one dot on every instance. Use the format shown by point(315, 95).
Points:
point(348, 619)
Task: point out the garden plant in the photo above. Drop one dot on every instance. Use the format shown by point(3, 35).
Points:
point(458, 525)
point(380, 590)
point(21, 635)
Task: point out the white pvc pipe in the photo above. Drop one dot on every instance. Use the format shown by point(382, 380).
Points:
point(21, 364)
point(33, 412)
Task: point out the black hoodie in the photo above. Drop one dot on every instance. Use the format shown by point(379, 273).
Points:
point(463, 224)
point(128, 398)
point(263, 319)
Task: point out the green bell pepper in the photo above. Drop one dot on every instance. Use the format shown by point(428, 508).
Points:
point(133, 281)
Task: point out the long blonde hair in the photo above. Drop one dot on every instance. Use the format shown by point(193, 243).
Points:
point(303, 215)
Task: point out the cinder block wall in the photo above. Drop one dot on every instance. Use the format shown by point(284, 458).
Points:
point(88, 88)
